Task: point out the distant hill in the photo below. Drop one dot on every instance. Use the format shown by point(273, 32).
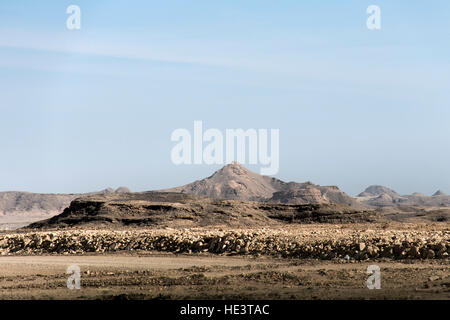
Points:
point(20, 208)
point(235, 182)
point(31, 204)
point(377, 190)
point(381, 196)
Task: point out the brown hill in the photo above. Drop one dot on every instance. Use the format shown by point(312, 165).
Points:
point(235, 182)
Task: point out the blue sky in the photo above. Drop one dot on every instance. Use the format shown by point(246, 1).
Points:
point(85, 109)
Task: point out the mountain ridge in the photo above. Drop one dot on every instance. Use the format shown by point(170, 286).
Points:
point(231, 182)
point(19, 203)
point(381, 196)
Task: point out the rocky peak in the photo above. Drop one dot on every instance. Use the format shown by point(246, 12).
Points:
point(377, 190)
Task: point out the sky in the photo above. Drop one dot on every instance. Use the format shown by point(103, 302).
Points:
point(82, 110)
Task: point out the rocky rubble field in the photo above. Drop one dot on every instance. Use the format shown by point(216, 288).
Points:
point(320, 242)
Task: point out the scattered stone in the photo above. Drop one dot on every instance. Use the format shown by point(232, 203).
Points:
point(318, 243)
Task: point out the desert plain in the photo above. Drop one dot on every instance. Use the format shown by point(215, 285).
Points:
point(295, 262)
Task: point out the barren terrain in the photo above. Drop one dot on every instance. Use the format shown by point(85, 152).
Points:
point(312, 261)
point(167, 276)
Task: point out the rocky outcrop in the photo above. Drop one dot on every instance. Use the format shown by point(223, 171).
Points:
point(299, 196)
point(166, 209)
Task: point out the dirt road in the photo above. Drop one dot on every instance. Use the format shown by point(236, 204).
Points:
point(169, 276)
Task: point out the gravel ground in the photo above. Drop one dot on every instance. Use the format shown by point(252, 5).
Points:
point(206, 276)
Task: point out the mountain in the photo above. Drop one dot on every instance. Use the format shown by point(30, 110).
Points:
point(27, 203)
point(19, 208)
point(380, 196)
point(235, 182)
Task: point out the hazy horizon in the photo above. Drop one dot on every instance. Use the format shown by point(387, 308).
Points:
point(82, 110)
